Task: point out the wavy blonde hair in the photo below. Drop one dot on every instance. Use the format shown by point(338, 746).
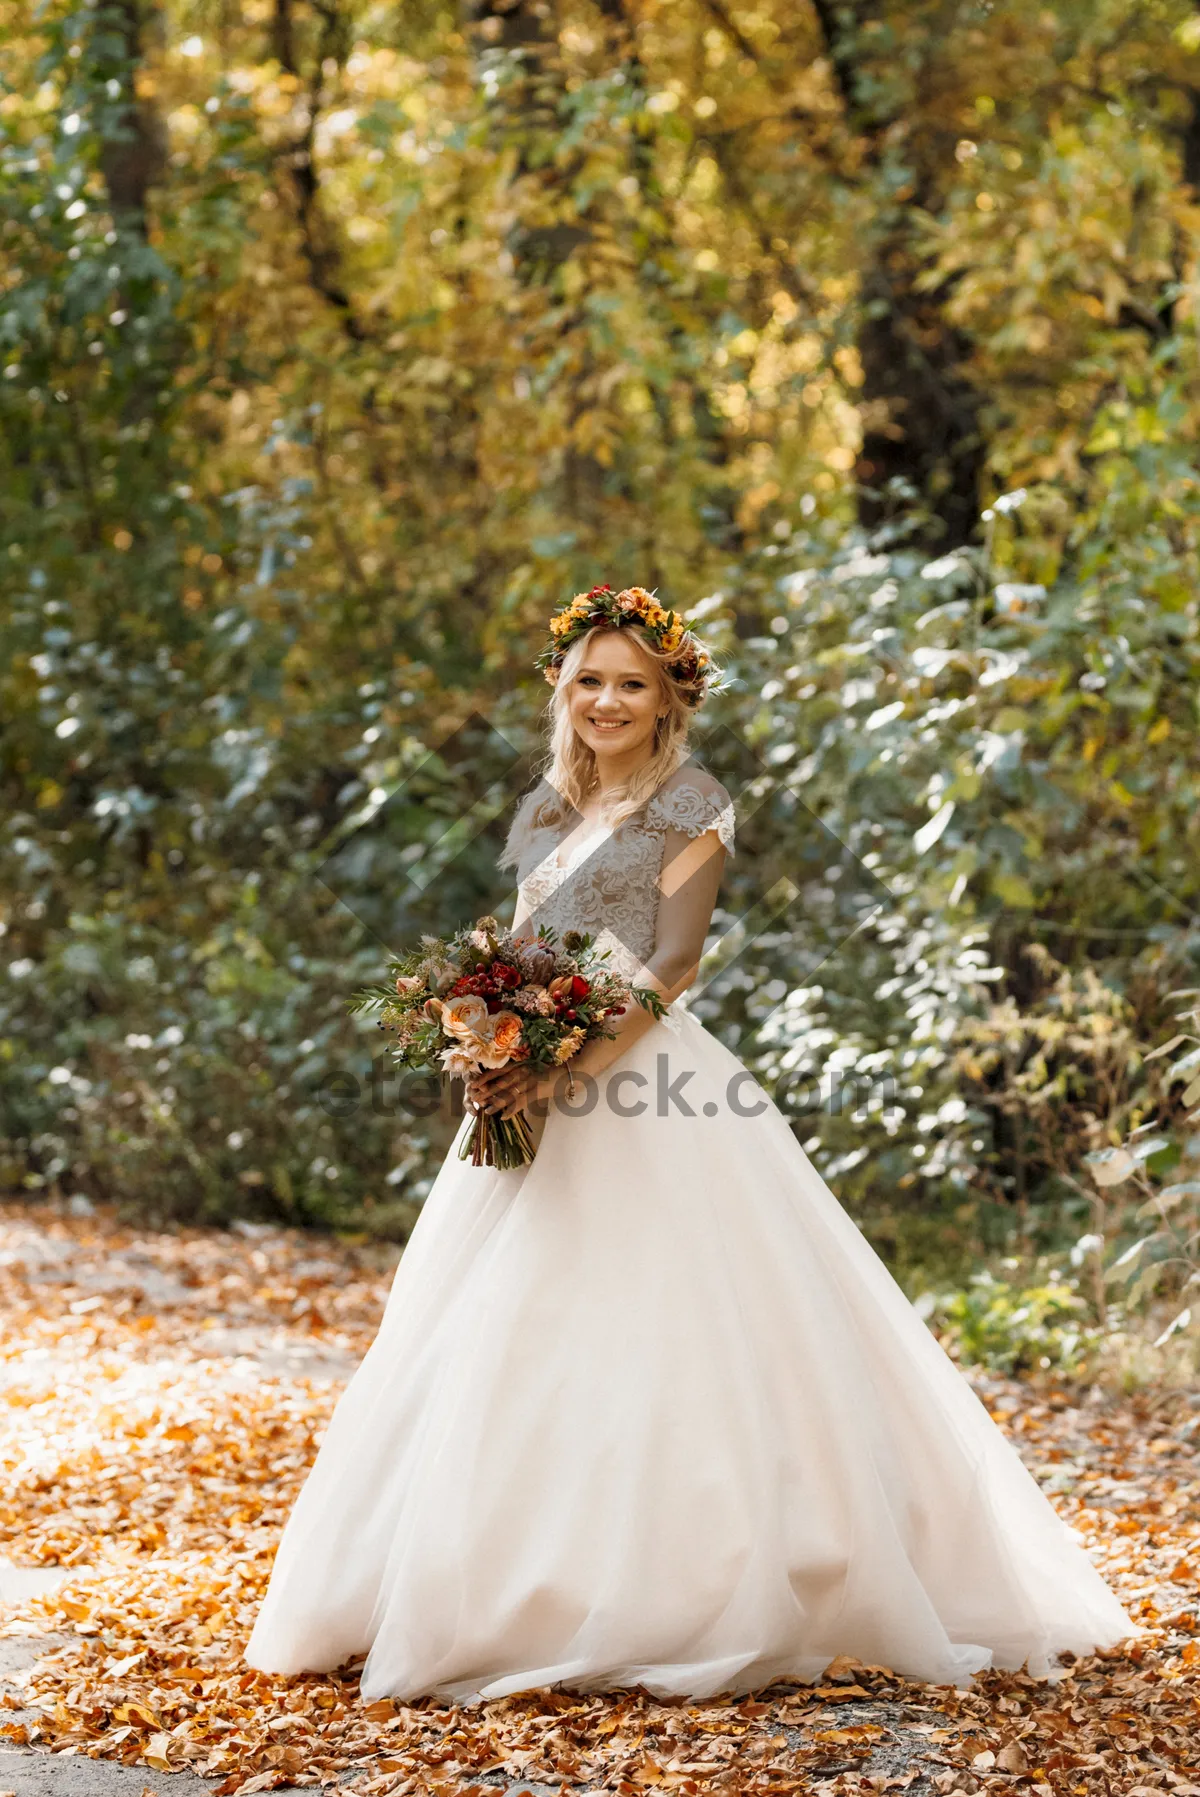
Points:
point(569, 767)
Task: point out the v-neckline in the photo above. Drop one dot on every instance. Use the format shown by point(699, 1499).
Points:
point(562, 866)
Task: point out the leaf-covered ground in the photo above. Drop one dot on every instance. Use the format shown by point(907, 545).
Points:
point(162, 1398)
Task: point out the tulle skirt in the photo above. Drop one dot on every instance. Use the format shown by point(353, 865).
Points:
point(651, 1411)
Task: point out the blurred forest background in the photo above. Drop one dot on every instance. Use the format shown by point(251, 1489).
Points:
point(342, 342)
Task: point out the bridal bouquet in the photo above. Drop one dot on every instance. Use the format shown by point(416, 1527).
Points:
point(484, 998)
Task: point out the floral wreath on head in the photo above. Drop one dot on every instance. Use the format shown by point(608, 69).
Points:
point(692, 669)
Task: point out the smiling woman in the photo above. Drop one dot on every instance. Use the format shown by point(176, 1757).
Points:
point(628, 674)
point(648, 1410)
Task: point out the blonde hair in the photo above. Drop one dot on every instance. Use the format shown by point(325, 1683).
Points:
point(567, 776)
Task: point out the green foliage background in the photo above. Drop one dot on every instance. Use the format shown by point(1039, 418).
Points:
point(341, 342)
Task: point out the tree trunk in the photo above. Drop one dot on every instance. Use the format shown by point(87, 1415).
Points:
point(133, 152)
point(921, 435)
point(525, 113)
point(922, 431)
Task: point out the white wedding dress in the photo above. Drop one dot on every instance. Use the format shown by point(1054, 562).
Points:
point(651, 1411)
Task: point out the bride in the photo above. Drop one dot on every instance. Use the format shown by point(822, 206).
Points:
point(650, 1411)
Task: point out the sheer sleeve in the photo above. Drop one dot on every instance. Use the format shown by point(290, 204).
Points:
point(522, 833)
point(536, 820)
point(694, 803)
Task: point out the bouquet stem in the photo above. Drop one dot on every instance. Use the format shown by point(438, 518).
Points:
point(499, 1141)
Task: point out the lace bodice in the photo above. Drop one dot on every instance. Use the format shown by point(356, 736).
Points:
point(609, 885)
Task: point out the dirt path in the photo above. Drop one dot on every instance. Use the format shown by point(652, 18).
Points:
point(162, 1398)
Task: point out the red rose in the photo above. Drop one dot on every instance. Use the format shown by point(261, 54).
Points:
point(579, 986)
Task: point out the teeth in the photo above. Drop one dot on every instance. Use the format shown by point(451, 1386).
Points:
point(610, 724)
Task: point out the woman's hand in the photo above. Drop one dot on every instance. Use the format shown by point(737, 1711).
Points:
point(503, 1091)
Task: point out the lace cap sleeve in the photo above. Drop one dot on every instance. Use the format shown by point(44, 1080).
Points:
point(696, 803)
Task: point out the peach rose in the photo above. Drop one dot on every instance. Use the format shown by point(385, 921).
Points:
point(462, 1015)
point(497, 1040)
point(484, 1051)
point(506, 1031)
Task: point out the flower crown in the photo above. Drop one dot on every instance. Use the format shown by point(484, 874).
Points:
point(692, 669)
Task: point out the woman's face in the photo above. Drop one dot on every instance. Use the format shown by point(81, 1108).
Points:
point(613, 701)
